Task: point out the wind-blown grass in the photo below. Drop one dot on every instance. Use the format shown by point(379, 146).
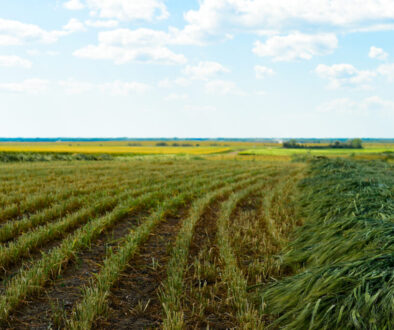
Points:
point(344, 254)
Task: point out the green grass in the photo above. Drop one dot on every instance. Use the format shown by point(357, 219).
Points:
point(343, 256)
point(279, 151)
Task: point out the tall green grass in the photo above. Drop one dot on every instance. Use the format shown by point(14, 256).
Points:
point(343, 256)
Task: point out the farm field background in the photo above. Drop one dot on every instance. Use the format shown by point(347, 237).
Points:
point(180, 243)
point(227, 149)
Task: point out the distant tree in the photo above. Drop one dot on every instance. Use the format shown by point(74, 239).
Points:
point(291, 144)
point(350, 144)
point(356, 143)
point(161, 144)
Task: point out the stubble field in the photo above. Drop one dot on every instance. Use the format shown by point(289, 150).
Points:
point(178, 243)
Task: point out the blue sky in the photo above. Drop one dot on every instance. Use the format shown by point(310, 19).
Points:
point(208, 68)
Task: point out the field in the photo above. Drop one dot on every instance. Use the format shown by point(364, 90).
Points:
point(211, 149)
point(178, 242)
point(109, 148)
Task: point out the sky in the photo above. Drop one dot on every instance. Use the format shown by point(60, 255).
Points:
point(208, 68)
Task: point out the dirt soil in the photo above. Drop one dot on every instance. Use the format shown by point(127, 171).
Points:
point(134, 301)
point(50, 308)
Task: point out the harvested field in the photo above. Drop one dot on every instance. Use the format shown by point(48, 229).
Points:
point(174, 244)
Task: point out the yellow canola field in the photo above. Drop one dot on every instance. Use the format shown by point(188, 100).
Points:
point(97, 149)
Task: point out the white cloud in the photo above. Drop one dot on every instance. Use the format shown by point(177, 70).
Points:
point(30, 86)
point(223, 87)
point(386, 70)
point(263, 71)
point(74, 25)
point(219, 15)
point(345, 75)
point(14, 33)
point(377, 53)
point(117, 87)
point(128, 10)
point(144, 36)
point(73, 5)
point(176, 97)
point(102, 23)
point(373, 104)
point(122, 55)
point(374, 28)
point(124, 45)
point(14, 61)
point(296, 46)
point(205, 70)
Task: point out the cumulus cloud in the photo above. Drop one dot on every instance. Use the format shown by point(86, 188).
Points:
point(124, 45)
point(122, 55)
point(29, 86)
point(377, 53)
point(74, 25)
point(73, 5)
point(217, 15)
point(14, 61)
point(205, 70)
point(13, 33)
point(373, 104)
point(345, 75)
point(128, 10)
point(296, 46)
point(386, 70)
point(263, 71)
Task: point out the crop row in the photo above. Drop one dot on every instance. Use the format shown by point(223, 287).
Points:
point(29, 280)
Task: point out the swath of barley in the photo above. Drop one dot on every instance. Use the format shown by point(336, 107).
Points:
point(343, 256)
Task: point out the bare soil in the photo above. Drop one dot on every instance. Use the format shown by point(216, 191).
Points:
point(134, 301)
point(50, 308)
point(205, 295)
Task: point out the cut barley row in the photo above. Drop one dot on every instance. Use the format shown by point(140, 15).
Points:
point(31, 280)
point(52, 231)
point(93, 303)
point(173, 286)
point(12, 228)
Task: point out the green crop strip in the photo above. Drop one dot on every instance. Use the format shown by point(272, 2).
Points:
point(343, 255)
